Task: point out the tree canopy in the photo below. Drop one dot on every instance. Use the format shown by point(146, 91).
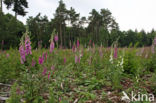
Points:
point(99, 28)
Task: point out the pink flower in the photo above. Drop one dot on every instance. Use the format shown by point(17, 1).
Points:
point(52, 67)
point(27, 46)
point(64, 60)
point(56, 38)
point(22, 54)
point(78, 43)
point(44, 56)
point(48, 75)
point(40, 60)
point(52, 46)
point(44, 71)
point(115, 53)
point(33, 63)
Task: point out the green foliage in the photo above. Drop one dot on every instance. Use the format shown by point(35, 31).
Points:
point(9, 62)
point(153, 86)
point(14, 98)
point(18, 6)
point(51, 98)
point(10, 31)
point(151, 63)
point(131, 63)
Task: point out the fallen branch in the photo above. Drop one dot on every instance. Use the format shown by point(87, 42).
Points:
point(4, 98)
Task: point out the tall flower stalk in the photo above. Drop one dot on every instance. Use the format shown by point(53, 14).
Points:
point(25, 47)
point(53, 40)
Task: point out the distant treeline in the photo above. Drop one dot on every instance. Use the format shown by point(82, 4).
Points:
point(99, 28)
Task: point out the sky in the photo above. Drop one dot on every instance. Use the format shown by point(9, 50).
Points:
point(129, 14)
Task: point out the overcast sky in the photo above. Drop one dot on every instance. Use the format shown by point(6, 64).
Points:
point(130, 14)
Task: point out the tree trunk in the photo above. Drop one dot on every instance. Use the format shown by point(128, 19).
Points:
point(15, 15)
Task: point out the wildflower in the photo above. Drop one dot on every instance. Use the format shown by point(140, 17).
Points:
point(52, 67)
point(81, 52)
point(115, 53)
point(44, 71)
point(33, 63)
point(44, 56)
point(52, 46)
point(121, 63)
point(56, 38)
point(41, 59)
point(27, 45)
point(48, 75)
point(22, 54)
point(111, 58)
point(64, 60)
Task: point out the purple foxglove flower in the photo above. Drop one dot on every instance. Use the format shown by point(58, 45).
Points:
point(33, 63)
point(22, 54)
point(40, 60)
point(115, 53)
point(52, 46)
point(27, 46)
point(56, 38)
point(44, 71)
point(44, 56)
point(49, 75)
point(64, 60)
